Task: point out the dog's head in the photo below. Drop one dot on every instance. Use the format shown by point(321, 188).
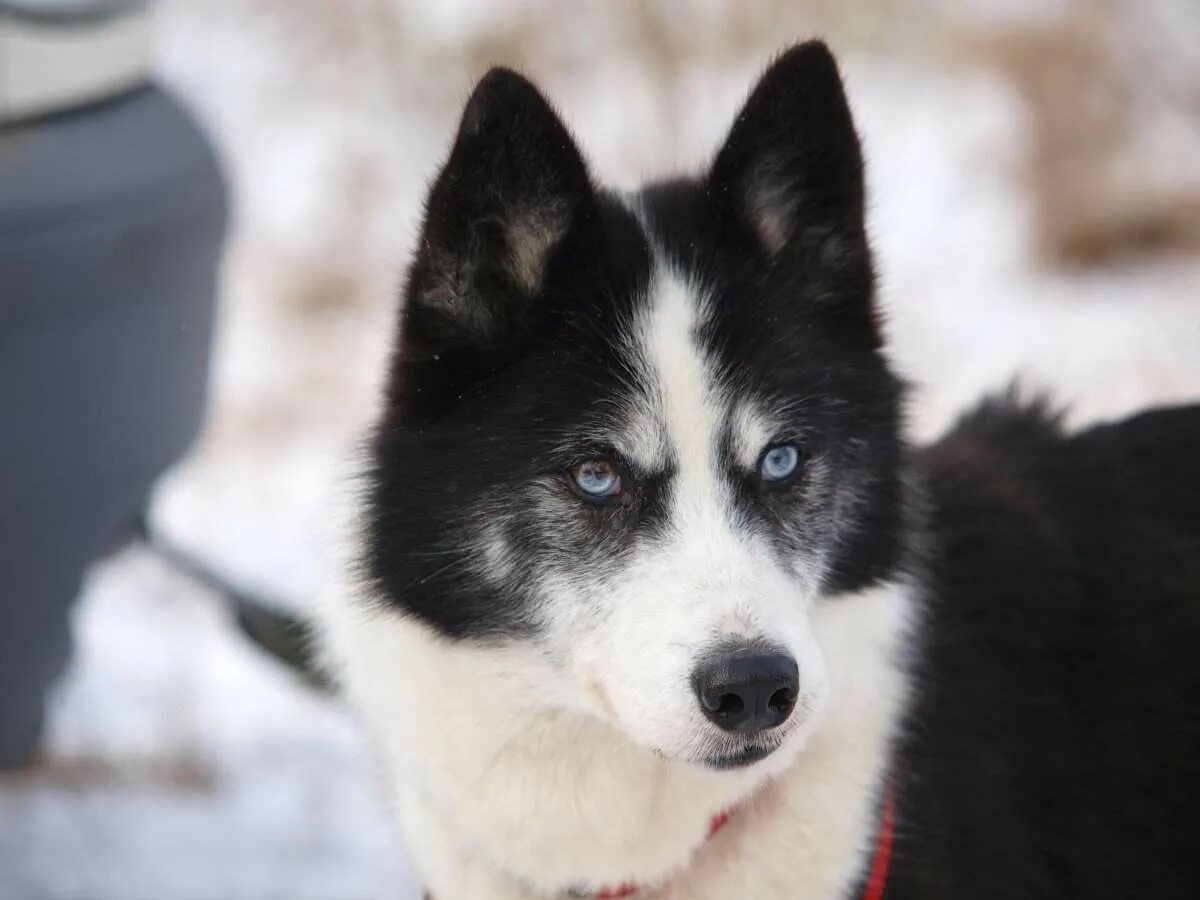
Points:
point(646, 435)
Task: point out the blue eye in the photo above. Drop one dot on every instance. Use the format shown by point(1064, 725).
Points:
point(779, 463)
point(597, 478)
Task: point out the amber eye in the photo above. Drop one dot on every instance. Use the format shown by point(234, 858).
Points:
point(596, 479)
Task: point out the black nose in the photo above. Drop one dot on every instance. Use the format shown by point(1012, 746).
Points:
point(747, 689)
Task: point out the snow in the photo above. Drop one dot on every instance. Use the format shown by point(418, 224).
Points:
point(181, 764)
point(184, 764)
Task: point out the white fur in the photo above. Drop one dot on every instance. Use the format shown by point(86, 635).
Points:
point(501, 796)
point(523, 769)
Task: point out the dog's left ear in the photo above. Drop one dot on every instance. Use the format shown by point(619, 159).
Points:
point(791, 174)
point(512, 187)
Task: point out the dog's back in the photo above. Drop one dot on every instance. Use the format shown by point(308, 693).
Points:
point(1053, 747)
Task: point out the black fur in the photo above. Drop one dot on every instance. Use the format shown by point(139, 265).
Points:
point(1053, 747)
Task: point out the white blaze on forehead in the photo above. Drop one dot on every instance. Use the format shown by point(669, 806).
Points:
point(685, 408)
point(681, 413)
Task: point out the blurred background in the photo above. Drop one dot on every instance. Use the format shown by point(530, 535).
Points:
point(205, 209)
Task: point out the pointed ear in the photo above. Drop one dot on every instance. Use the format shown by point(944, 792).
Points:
point(510, 190)
point(791, 169)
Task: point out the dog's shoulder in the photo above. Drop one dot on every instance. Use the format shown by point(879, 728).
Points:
point(987, 481)
point(1058, 652)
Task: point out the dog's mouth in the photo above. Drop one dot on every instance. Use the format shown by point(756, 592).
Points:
point(747, 756)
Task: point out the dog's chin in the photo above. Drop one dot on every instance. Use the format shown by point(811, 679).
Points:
point(725, 759)
point(765, 754)
point(732, 757)
point(739, 759)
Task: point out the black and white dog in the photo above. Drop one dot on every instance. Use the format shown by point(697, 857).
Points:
point(641, 552)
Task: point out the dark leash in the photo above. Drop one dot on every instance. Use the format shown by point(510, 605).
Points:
point(265, 622)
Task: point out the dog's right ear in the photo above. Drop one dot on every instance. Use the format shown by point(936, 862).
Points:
point(512, 187)
point(790, 175)
point(792, 167)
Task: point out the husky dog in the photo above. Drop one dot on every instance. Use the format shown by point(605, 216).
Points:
point(641, 552)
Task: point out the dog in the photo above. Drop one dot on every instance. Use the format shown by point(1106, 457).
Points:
point(648, 596)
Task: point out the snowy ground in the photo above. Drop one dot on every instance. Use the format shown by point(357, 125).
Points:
point(182, 764)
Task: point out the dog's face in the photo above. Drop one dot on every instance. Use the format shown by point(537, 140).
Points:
point(647, 436)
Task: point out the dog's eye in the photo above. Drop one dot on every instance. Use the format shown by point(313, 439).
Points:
point(779, 463)
point(596, 479)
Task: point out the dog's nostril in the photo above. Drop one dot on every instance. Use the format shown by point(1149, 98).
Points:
point(729, 705)
point(746, 689)
point(782, 701)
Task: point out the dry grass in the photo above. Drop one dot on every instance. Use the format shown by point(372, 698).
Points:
point(1113, 165)
point(182, 774)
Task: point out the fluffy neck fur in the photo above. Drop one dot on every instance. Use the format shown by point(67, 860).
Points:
point(503, 792)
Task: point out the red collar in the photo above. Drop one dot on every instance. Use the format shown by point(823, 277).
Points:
point(880, 864)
